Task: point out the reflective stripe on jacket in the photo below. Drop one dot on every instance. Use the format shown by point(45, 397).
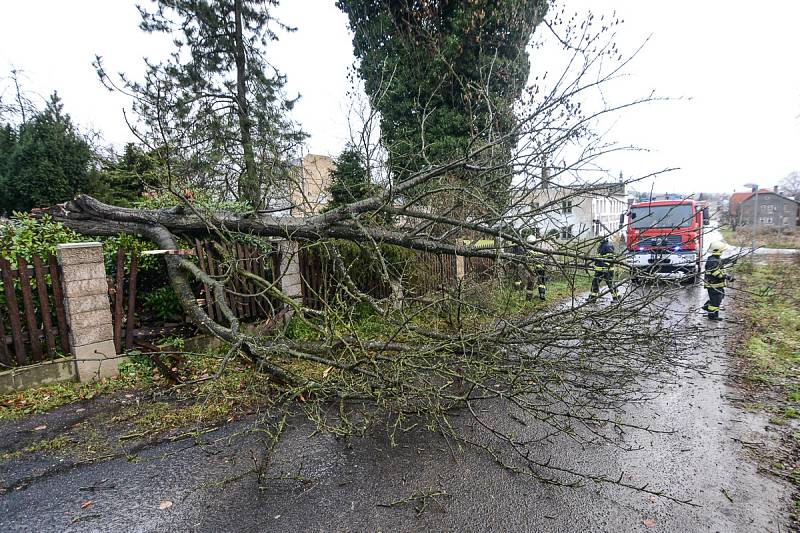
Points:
point(606, 252)
point(715, 273)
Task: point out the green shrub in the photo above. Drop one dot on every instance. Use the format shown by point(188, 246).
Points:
point(26, 236)
point(299, 330)
point(161, 303)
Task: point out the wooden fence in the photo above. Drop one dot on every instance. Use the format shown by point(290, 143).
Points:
point(117, 285)
point(243, 295)
point(38, 330)
point(426, 272)
point(246, 300)
point(33, 320)
point(433, 271)
point(478, 267)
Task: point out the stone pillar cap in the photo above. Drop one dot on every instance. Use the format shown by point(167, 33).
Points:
point(78, 245)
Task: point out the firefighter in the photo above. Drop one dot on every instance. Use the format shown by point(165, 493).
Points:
point(716, 279)
point(604, 271)
point(532, 276)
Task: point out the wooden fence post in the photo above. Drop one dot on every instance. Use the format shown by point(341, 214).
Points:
point(13, 312)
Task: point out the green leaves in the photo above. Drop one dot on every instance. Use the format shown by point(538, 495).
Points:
point(27, 236)
point(445, 76)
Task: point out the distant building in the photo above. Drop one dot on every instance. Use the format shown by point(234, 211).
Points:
point(307, 190)
point(311, 196)
point(582, 211)
point(735, 201)
point(774, 209)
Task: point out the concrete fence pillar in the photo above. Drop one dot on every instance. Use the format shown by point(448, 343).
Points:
point(460, 267)
point(291, 283)
point(91, 334)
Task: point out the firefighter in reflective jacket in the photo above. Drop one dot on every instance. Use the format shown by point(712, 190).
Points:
point(604, 271)
point(716, 279)
point(532, 276)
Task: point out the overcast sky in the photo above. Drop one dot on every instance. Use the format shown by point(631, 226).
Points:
point(734, 63)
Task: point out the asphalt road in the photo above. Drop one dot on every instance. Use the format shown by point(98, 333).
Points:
point(332, 485)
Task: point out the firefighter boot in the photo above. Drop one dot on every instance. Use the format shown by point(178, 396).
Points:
point(714, 316)
point(541, 293)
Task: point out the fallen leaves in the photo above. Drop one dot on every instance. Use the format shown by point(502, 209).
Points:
point(86, 504)
point(648, 522)
point(39, 428)
point(166, 504)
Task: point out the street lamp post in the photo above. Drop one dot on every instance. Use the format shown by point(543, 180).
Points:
point(755, 216)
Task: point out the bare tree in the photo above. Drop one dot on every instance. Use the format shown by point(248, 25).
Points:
point(15, 103)
point(791, 185)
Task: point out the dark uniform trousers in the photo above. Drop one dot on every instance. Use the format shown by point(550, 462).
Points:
point(533, 284)
point(715, 280)
point(603, 272)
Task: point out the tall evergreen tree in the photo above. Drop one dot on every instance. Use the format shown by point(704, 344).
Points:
point(216, 106)
point(122, 180)
point(49, 163)
point(444, 75)
point(349, 180)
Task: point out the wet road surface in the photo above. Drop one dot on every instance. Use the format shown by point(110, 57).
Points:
point(333, 485)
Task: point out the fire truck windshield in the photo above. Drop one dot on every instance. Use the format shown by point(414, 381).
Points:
point(661, 216)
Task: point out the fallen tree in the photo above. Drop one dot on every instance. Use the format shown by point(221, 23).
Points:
point(564, 369)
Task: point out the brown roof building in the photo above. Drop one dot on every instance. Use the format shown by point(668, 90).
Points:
point(773, 209)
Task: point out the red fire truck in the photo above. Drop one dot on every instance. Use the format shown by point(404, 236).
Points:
point(665, 238)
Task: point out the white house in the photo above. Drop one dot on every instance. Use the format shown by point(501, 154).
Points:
point(570, 211)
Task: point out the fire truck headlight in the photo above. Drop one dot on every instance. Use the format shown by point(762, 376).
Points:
point(641, 248)
point(677, 248)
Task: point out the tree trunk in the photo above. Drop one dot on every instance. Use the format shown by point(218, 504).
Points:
point(249, 187)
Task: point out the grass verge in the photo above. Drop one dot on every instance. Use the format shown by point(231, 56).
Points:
point(767, 238)
point(771, 351)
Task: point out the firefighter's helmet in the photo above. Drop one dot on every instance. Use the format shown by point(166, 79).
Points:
point(717, 247)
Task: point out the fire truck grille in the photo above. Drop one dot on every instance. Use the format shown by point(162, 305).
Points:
point(666, 241)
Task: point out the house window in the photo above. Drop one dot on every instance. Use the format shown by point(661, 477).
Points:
point(566, 232)
point(566, 207)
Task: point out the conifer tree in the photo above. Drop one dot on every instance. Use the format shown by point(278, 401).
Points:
point(216, 108)
point(49, 162)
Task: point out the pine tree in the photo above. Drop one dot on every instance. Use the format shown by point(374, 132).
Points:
point(349, 180)
point(216, 107)
point(122, 180)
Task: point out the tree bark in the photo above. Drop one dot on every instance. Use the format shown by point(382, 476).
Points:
point(250, 188)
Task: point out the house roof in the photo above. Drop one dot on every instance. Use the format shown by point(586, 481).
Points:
point(738, 197)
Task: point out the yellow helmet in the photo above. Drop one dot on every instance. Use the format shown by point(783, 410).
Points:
point(717, 247)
